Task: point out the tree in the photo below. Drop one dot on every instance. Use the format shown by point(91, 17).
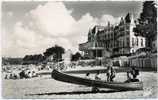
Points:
point(27, 58)
point(56, 51)
point(33, 58)
point(76, 56)
point(147, 26)
point(11, 61)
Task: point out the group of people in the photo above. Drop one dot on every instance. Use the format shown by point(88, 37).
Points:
point(25, 73)
point(132, 75)
point(111, 74)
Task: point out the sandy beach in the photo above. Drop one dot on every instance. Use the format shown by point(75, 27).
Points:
point(45, 87)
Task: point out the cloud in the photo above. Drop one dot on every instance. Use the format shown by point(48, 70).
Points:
point(27, 38)
point(108, 18)
point(48, 25)
point(82, 26)
point(63, 42)
point(23, 35)
point(10, 14)
point(53, 19)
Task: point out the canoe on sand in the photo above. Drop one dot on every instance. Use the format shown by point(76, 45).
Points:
point(96, 83)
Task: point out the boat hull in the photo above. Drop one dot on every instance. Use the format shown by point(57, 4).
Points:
point(96, 83)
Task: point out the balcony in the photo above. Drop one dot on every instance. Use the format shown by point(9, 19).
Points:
point(90, 46)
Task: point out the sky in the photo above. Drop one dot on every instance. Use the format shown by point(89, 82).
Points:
point(32, 27)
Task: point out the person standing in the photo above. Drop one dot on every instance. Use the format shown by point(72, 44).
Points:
point(111, 73)
point(108, 73)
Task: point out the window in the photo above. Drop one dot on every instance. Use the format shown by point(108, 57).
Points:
point(127, 41)
point(106, 45)
point(122, 43)
point(137, 41)
point(111, 35)
point(123, 51)
point(127, 32)
point(153, 45)
point(118, 43)
point(127, 27)
point(96, 45)
point(132, 41)
point(123, 33)
point(141, 42)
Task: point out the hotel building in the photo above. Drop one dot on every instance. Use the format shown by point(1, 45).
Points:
point(118, 40)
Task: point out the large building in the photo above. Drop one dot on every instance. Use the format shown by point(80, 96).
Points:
point(118, 40)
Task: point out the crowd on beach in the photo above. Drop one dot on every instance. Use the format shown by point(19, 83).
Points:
point(20, 71)
point(31, 70)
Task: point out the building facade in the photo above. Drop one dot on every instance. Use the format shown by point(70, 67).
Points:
point(126, 42)
point(118, 40)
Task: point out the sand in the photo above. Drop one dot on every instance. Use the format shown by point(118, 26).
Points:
point(45, 87)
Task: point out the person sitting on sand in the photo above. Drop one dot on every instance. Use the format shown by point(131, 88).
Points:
point(97, 77)
point(132, 75)
point(134, 72)
point(22, 74)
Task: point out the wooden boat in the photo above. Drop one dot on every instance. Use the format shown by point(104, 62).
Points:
point(101, 70)
point(96, 83)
